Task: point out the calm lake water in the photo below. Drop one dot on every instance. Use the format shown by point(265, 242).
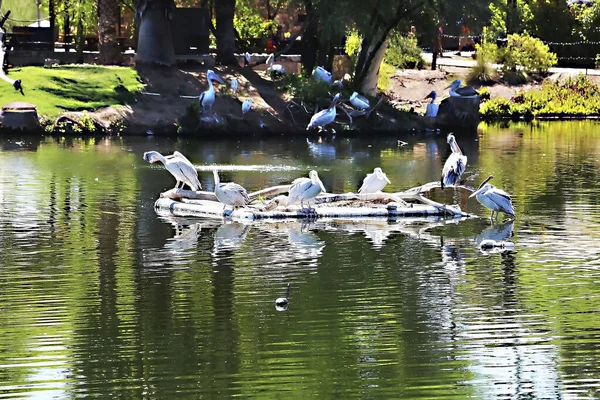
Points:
point(102, 297)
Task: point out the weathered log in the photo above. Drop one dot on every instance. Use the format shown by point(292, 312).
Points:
point(270, 191)
point(181, 194)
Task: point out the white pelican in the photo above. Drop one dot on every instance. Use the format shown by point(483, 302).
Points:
point(274, 67)
point(15, 83)
point(432, 108)
point(247, 59)
point(493, 198)
point(305, 189)
point(358, 101)
point(234, 85)
point(455, 164)
point(324, 117)
point(179, 166)
point(207, 98)
point(374, 182)
point(230, 194)
point(461, 91)
point(246, 105)
point(320, 74)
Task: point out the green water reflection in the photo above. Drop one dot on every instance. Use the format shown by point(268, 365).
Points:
point(100, 296)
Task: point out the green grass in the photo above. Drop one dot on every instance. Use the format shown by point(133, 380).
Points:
point(72, 88)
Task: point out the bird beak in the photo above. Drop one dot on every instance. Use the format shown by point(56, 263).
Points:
point(489, 178)
point(478, 191)
point(217, 78)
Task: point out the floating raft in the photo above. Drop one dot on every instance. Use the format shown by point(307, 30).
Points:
point(349, 205)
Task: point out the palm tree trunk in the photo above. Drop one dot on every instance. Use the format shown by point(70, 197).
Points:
point(108, 19)
point(155, 40)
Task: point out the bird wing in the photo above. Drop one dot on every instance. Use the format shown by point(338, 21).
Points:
point(501, 199)
point(201, 98)
point(367, 182)
point(187, 172)
point(235, 193)
point(299, 186)
point(454, 167)
point(467, 91)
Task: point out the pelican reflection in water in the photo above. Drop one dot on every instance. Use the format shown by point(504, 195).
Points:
point(230, 236)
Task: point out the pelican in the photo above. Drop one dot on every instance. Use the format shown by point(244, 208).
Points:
point(305, 189)
point(247, 59)
point(374, 182)
point(207, 98)
point(455, 164)
point(179, 166)
point(230, 194)
point(234, 85)
point(493, 198)
point(246, 105)
point(274, 67)
point(324, 117)
point(432, 108)
point(358, 101)
point(461, 91)
point(320, 74)
point(15, 83)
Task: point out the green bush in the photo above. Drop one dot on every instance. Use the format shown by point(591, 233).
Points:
point(483, 71)
point(403, 52)
point(527, 52)
point(384, 80)
point(577, 96)
point(305, 89)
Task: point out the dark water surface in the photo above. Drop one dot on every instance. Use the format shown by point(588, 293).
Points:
point(102, 297)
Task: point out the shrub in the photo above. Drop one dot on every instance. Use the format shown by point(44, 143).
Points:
point(483, 71)
point(484, 94)
point(305, 89)
point(529, 53)
point(384, 81)
point(403, 52)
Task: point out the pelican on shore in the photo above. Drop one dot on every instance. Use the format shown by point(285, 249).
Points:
point(234, 85)
point(432, 108)
point(461, 91)
point(320, 74)
point(374, 182)
point(324, 117)
point(493, 198)
point(229, 193)
point(305, 189)
point(207, 98)
point(278, 68)
point(455, 164)
point(179, 166)
point(358, 101)
point(247, 59)
point(246, 105)
point(15, 83)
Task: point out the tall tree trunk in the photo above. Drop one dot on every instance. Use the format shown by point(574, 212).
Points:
point(308, 58)
point(369, 83)
point(108, 19)
point(155, 40)
point(80, 38)
point(224, 10)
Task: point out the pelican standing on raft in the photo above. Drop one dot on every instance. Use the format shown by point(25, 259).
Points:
point(455, 164)
point(230, 194)
point(179, 166)
point(15, 83)
point(207, 98)
point(432, 108)
point(493, 198)
point(278, 68)
point(246, 105)
point(234, 85)
point(305, 189)
point(374, 182)
point(324, 117)
point(358, 101)
point(461, 91)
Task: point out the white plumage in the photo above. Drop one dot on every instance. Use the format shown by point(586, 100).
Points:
point(358, 101)
point(179, 166)
point(320, 74)
point(374, 182)
point(274, 67)
point(230, 194)
point(432, 108)
point(455, 164)
point(494, 199)
point(234, 85)
point(461, 91)
point(305, 189)
point(324, 117)
point(246, 105)
point(207, 98)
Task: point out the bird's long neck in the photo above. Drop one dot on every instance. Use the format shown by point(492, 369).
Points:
point(216, 175)
point(210, 85)
point(161, 158)
point(432, 99)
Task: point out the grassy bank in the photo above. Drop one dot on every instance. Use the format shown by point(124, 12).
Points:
point(573, 97)
point(72, 88)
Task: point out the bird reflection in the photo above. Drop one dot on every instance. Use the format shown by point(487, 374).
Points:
point(303, 240)
point(185, 238)
point(230, 236)
point(495, 239)
point(321, 150)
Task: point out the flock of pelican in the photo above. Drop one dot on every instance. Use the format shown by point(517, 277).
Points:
point(305, 189)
